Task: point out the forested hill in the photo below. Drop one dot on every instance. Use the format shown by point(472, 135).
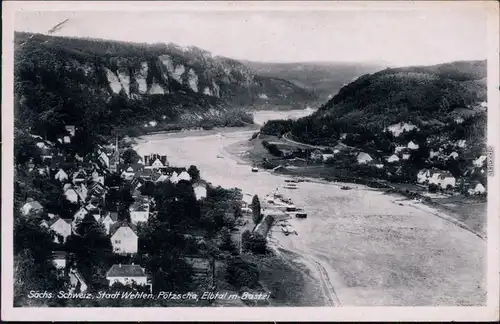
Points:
point(61, 80)
point(420, 94)
point(442, 108)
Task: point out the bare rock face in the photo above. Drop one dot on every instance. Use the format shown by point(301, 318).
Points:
point(124, 80)
point(193, 80)
point(114, 83)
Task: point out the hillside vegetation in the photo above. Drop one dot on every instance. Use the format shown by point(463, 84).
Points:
point(324, 79)
point(99, 85)
point(441, 108)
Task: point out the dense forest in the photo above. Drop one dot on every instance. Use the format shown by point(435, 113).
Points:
point(100, 85)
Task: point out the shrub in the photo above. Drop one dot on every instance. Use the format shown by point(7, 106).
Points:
point(240, 273)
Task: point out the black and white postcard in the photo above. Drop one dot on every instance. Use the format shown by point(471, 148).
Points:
point(296, 161)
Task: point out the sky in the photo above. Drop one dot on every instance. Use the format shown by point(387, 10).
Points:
point(396, 38)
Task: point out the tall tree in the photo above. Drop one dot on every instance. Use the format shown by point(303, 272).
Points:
point(256, 212)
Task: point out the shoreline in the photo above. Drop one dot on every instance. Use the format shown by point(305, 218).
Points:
point(432, 207)
point(316, 263)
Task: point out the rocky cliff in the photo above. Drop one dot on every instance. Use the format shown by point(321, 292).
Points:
point(67, 79)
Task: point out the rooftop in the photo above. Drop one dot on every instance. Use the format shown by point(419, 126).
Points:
point(126, 270)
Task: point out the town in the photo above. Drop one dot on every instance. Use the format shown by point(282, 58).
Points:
point(104, 196)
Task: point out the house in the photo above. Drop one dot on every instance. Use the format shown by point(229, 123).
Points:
point(164, 177)
point(129, 171)
point(139, 211)
point(393, 158)
point(126, 274)
point(96, 189)
point(66, 139)
point(433, 153)
point(76, 281)
point(413, 146)
point(200, 191)
point(155, 161)
point(61, 227)
point(71, 194)
point(363, 158)
point(79, 177)
point(32, 208)
point(326, 156)
point(316, 155)
point(174, 178)
point(104, 159)
point(60, 162)
point(379, 165)
point(398, 149)
point(61, 175)
point(71, 129)
point(453, 155)
point(80, 215)
point(47, 154)
point(108, 220)
point(443, 179)
point(59, 259)
point(478, 189)
point(423, 175)
point(406, 156)
point(184, 176)
point(461, 143)
point(479, 162)
point(94, 211)
point(458, 120)
point(124, 238)
point(82, 191)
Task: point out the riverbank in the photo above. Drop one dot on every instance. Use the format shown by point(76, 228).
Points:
point(379, 251)
point(466, 212)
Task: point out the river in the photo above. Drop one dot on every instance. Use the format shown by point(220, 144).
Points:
point(373, 250)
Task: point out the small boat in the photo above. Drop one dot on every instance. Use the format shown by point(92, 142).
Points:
point(220, 157)
point(345, 188)
point(285, 230)
point(301, 215)
point(255, 169)
point(290, 186)
point(291, 208)
point(278, 195)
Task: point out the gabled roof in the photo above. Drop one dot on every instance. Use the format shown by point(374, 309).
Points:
point(125, 270)
point(138, 205)
point(56, 255)
point(112, 215)
point(121, 224)
point(135, 166)
point(34, 204)
point(56, 219)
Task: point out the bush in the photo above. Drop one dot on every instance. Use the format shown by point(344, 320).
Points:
point(254, 242)
point(240, 273)
point(433, 188)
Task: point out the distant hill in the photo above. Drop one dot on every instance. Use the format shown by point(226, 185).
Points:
point(419, 94)
point(90, 82)
point(325, 79)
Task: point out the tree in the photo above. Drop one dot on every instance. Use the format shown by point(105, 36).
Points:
point(91, 247)
point(227, 243)
point(256, 211)
point(130, 156)
point(33, 267)
point(254, 242)
point(194, 173)
point(240, 273)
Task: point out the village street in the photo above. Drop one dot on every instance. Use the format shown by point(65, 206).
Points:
point(374, 250)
